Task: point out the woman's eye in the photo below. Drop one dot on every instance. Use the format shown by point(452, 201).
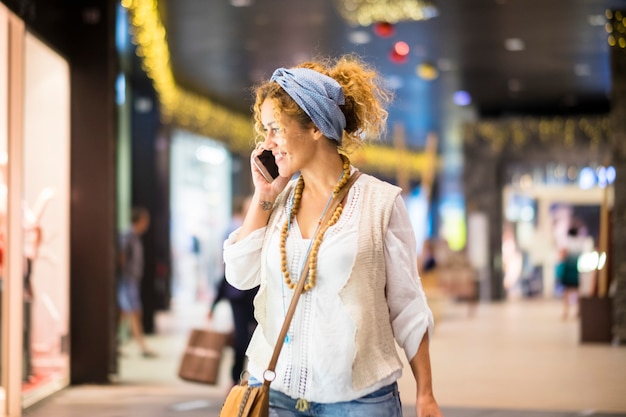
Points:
point(271, 129)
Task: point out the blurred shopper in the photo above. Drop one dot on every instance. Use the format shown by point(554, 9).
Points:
point(512, 262)
point(130, 273)
point(363, 288)
point(240, 302)
point(567, 269)
point(458, 277)
point(428, 259)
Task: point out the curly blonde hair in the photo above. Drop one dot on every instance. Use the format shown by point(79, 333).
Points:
point(366, 99)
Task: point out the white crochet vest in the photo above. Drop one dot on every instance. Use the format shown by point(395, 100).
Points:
point(363, 295)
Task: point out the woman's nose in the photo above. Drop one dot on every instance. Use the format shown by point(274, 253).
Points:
point(269, 141)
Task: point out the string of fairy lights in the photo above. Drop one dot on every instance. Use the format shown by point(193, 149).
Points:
point(616, 28)
point(367, 12)
point(563, 130)
point(200, 115)
point(178, 106)
point(566, 131)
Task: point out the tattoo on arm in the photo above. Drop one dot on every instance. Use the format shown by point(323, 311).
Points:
point(266, 205)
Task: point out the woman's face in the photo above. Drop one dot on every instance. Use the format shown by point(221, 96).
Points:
point(290, 144)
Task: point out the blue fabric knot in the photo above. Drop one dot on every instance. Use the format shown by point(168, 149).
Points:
point(318, 95)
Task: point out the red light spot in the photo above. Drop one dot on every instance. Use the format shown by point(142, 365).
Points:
point(401, 48)
point(397, 58)
point(383, 29)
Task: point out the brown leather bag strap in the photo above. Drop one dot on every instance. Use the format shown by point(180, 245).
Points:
point(269, 373)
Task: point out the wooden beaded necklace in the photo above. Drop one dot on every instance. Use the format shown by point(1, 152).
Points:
point(310, 283)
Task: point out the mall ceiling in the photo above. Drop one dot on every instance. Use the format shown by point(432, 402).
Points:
point(528, 57)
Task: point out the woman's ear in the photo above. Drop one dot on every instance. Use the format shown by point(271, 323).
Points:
point(316, 133)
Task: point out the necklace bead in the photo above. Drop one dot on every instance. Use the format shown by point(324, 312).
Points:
point(317, 241)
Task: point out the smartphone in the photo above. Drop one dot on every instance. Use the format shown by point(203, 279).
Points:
point(267, 165)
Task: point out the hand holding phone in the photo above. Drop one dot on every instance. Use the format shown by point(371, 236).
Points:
point(266, 165)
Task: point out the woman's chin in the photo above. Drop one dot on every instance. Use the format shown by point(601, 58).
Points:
point(285, 173)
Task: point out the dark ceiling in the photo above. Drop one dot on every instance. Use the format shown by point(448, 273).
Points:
point(221, 50)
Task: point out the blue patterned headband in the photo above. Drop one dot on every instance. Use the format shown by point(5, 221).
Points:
point(318, 95)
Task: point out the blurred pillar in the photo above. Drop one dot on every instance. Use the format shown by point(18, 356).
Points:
point(88, 35)
point(618, 143)
point(482, 183)
point(150, 184)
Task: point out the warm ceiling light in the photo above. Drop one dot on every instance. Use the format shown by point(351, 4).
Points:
point(514, 44)
point(427, 71)
point(616, 29)
point(366, 12)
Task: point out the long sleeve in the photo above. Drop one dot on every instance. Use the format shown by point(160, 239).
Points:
point(242, 260)
point(410, 315)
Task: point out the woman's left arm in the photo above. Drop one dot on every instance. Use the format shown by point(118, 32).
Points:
point(425, 405)
point(411, 318)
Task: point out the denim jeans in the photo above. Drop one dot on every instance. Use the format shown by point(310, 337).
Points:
point(382, 403)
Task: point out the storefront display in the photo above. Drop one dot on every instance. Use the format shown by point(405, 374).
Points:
point(34, 187)
point(541, 204)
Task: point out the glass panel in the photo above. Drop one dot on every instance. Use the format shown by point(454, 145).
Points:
point(200, 209)
point(11, 220)
point(4, 53)
point(46, 221)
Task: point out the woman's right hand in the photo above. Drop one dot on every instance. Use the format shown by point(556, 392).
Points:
point(267, 191)
point(263, 199)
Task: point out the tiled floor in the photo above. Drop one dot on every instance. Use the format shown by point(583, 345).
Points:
point(512, 359)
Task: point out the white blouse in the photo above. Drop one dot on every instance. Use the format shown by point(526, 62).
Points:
point(316, 360)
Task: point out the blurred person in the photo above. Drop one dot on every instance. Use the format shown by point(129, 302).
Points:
point(512, 261)
point(462, 279)
point(432, 274)
point(568, 274)
point(428, 261)
point(427, 268)
point(240, 302)
point(363, 291)
point(130, 273)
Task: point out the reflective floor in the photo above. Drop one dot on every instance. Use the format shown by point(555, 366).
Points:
point(509, 359)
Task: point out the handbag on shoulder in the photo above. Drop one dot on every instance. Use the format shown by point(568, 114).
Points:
point(247, 401)
point(244, 400)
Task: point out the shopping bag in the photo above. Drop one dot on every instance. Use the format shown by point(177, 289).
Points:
point(202, 356)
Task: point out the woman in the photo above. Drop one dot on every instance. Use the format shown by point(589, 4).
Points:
point(363, 288)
